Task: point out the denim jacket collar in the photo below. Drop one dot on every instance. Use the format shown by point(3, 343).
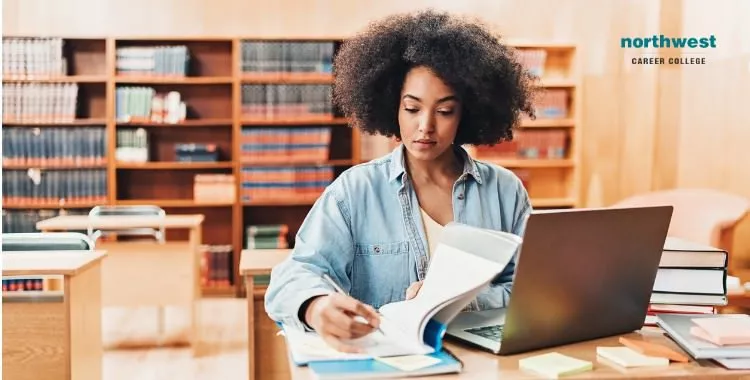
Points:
point(398, 163)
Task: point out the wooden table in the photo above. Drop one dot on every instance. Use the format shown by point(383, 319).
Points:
point(146, 273)
point(55, 334)
point(479, 365)
point(267, 354)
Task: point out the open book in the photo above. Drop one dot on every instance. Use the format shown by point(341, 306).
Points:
point(464, 263)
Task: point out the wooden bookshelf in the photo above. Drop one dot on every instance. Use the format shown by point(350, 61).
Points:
point(220, 82)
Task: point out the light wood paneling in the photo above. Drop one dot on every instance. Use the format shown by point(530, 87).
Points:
point(712, 146)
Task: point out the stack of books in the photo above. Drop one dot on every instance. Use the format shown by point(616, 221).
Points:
point(267, 236)
point(724, 338)
point(691, 280)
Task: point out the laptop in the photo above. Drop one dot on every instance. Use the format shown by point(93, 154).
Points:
point(581, 274)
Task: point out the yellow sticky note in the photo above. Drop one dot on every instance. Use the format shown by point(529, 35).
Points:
point(555, 365)
point(409, 362)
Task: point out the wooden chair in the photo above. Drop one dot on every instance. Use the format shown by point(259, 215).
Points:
point(704, 216)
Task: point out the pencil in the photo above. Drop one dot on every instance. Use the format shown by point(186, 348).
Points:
point(340, 290)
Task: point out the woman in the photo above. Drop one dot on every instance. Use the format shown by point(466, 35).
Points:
point(435, 82)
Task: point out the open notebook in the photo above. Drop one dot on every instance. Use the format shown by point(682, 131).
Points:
point(459, 270)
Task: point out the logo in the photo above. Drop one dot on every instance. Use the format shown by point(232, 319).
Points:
point(666, 42)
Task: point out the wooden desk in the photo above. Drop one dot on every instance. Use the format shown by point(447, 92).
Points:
point(267, 354)
point(146, 273)
point(479, 365)
point(268, 357)
point(56, 335)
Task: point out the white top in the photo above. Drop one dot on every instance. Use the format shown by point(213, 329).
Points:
point(432, 230)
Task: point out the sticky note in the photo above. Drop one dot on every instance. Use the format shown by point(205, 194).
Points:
point(555, 365)
point(409, 362)
point(627, 357)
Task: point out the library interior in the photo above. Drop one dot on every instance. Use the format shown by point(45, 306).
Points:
point(152, 141)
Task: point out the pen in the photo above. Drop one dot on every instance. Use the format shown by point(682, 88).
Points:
point(358, 318)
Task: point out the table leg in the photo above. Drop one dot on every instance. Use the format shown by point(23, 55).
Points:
point(249, 288)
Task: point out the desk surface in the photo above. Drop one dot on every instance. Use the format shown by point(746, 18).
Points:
point(260, 261)
point(70, 263)
point(482, 365)
point(82, 222)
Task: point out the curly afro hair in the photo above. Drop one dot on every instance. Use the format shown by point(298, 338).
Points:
point(492, 86)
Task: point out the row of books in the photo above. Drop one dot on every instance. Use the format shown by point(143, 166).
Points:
point(131, 145)
point(286, 56)
point(33, 57)
point(284, 182)
point(33, 284)
point(145, 104)
point(268, 101)
point(266, 236)
point(36, 187)
point(40, 102)
point(552, 104)
point(170, 61)
point(216, 265)
point(51, 147)
point(549, 144)
point(259, 145)
point(691, 279)
point(532, 60)
point(214, 188)
point(15, 221)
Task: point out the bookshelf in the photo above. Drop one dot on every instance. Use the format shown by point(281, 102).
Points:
point(180, 122)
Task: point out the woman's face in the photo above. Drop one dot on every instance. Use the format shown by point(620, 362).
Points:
point(428, 115)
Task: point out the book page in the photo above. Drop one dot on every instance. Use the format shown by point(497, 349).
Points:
point(452, 274)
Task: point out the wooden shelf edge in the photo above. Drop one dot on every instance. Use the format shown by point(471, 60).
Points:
point(286, 78)
point(41, 123)
point(188, 203)
point(556, 83)
point(58, 79)
point(155, 80)
point(186, 123)
point(301, 200)
point(245, 164)
point(55, 206)
point(176, 165)
point(294, 121)
point(553, 202)
point(529, 163)
point(217, 291)
point(548, 123)
point(53, 167)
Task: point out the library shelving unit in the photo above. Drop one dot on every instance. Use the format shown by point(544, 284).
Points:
point(186, 123)
point(545, 152)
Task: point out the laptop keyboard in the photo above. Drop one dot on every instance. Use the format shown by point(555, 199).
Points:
point(494, 333)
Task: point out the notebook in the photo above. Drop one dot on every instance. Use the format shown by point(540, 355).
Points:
point(677, 327)
point(417, 326)
point(554, 365)
point(628, 358)
point(723, 331)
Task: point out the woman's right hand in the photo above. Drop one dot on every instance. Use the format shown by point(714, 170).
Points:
point(337, 317)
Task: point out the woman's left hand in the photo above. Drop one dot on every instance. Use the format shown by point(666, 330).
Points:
point(413, 289)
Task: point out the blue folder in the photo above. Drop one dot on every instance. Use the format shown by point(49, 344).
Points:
point(371, 368)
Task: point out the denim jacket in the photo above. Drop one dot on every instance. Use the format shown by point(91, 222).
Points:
point(365, 231)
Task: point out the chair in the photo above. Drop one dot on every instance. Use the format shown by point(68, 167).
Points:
point(46, 241)
point(700, 215)
point(139, 210)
